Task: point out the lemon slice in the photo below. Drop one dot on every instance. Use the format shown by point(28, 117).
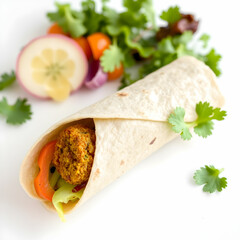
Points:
point(52, 66)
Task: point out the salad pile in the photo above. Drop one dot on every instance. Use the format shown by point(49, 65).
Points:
point(86, 47)
point(133, 37)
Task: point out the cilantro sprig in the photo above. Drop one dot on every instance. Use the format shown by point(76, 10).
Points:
point(17, 113)
point(7, 79)
point(209, 177)
point(203, 125)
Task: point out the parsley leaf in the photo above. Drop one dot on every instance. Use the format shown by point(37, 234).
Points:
point(17, 113)
point(203, 125)
point(172, 15)
point(111, 58)
point(209, 176)
point(7, 80)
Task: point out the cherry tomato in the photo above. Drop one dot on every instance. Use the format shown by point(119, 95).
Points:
point(116, 73)
point(56, 29)
point(98, 43)
point(83, 43)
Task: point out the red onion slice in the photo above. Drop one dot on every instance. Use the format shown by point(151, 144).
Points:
point(95, 77)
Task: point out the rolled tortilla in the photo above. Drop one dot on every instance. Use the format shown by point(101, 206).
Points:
point(132, 123)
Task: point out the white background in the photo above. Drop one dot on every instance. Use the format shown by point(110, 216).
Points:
point(158, 198)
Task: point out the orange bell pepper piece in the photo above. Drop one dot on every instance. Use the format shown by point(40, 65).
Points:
point(41, 182)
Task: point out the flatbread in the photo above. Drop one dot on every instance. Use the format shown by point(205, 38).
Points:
point(132, 123)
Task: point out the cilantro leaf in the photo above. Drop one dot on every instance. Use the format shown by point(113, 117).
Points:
point(179, 126)
point(111, 58)
point(204, 129)
point(203, 125)
point(209, 176)
point(172, 15)
point(70, 21)
point(17, 113)
point(212, 60)
point(7, 80)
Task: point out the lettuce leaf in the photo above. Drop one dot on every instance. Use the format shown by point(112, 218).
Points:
point(63, 195)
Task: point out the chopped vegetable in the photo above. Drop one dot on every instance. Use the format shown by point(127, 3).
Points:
point(64, 194)
point(7, 79)
point(96, 76)
point(203, 125)
point(17, 113)
point(98, 42)
point(52, 66)
point(41, 182)
point(209, 176)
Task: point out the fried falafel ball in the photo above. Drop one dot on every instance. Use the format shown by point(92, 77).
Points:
point(74, 153)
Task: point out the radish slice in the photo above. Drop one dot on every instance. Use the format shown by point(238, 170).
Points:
point(52, 66)
point(96, 77)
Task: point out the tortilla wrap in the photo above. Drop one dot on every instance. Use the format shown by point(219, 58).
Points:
point(132, 123)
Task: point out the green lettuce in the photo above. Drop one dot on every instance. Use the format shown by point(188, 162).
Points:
point(64, 194)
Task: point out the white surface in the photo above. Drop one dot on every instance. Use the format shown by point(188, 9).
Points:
point(158, 198)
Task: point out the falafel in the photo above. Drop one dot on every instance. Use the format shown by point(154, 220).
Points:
point(74, 153)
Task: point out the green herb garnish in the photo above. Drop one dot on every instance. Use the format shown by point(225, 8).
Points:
point(17, 113)
point(112, 58)
point(209, 176)
point(7, 80)
point(203, 125)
